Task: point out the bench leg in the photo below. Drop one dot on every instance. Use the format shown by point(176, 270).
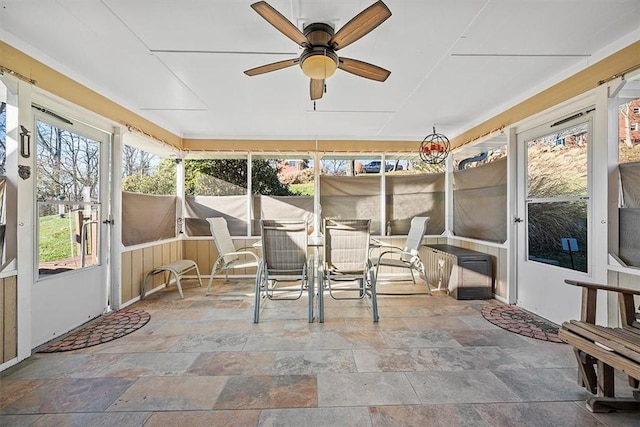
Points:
point(586, 373)
point(606, 383)
point(606, 400)
point(611, 404)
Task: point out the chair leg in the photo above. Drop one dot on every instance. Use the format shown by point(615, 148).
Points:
point(257, 296)
point(214, 270)
point(423, 273)
point(311, 292)
point(198, 273)
point(374, 299)
point(321, 298)
point(175, 273)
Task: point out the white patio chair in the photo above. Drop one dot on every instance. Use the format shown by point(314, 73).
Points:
point(284, 260)
point(407, 257)
point(345, 259)
point(229, 258)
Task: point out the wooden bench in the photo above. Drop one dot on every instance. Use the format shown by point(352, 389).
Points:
point(600, 350)
point(178, 268)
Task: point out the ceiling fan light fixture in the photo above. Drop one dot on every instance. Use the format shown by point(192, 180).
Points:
point(319, 64)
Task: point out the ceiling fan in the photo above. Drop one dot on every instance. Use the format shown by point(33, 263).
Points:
point(320, 42)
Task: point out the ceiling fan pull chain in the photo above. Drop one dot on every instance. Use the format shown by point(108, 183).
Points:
point(314, 105)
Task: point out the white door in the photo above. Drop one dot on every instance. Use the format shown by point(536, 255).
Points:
point(72, 188)
point(553, 216)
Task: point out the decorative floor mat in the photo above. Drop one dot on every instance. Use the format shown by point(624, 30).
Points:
point(105, 329)
point(516, 320)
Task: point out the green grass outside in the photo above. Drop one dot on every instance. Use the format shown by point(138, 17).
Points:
point(55, 238)
point(306, 189)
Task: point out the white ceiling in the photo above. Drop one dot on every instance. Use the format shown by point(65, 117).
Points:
point(453, 63)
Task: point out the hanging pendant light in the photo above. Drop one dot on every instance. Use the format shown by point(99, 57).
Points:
point(434, 148)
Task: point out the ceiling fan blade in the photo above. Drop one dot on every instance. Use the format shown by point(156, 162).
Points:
point(363, 69)
point(360, 25)
point(271, 67)
point(281, 23)
point(316, 89)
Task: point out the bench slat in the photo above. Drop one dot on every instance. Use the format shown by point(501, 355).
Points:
point(605, 336)
point(613, 359)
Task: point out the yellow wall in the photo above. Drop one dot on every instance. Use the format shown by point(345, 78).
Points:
point(8, 319)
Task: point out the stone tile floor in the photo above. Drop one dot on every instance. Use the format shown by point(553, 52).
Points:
point(430, 361)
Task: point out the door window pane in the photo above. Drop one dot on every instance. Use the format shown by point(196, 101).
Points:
point(68, 176)
point(557, 163)
point(557, 233)
point(557, 198)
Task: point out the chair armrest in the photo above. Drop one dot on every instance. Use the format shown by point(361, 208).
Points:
point(414, 257)
point(375, 243)
point(589, 298)
point(241, 252)
point(392, 250)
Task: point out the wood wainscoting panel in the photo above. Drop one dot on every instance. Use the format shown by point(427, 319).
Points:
point(125, 277)
point(10, 318)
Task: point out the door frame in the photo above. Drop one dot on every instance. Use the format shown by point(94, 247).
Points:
point(43, 329)
point(600, 181)
point(549, 302)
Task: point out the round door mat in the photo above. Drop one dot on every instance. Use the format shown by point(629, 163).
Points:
point(106, 328)
point(521, 322)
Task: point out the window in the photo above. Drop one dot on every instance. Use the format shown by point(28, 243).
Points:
point(283, 187)
point(629, 131)
point(147, 173)
point(216, 188)
point(148, 195)
point(629, 167)
point(347, 191)
point(413, 188)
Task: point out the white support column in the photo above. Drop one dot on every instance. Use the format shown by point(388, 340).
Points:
point(180, 188)
point(249, 195)
point(383, 195)
point(26, 244)
point(116, 247)
point(448, 196)
point(317, 215)
point(512, 211)
point(599, 180)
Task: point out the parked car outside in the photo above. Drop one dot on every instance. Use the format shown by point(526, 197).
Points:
point(374, 167)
